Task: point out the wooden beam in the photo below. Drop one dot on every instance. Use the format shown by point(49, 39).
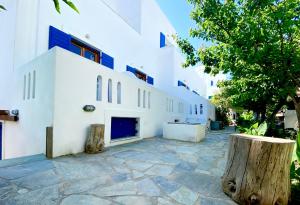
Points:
point(49, 142)
point(9, 118)
point(4, 112)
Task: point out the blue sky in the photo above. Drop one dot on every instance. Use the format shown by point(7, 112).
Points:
point(178, 12)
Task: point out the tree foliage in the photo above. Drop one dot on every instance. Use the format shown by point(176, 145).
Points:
point(257, 42)
point(56, 4)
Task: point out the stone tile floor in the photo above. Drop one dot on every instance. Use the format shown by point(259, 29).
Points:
point(152, 171)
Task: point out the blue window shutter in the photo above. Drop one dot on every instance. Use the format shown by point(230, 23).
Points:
point(181, 83)
point(162, 40)
point(107, 60)
point(131, 69)
point(150, 80)
point(59, 38)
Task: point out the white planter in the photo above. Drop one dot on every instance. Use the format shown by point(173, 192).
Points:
point(184, 132)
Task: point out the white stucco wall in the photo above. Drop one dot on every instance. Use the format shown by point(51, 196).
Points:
point(106, 29)
point(28, 135)
point(109, 26)
point(7, 35)
point(75, 86)
point(211, 90)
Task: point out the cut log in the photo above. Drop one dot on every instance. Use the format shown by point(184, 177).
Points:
point(258, 170)
point(95, 140)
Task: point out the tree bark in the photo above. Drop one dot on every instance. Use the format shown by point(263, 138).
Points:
point(95, 140)
point(258, 170)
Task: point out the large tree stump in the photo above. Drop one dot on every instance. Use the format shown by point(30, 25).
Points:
point(258, 170)
point(95, 141)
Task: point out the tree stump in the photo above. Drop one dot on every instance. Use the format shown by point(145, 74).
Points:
point(95, 141)
point(258, 170)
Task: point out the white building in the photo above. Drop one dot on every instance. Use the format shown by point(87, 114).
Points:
point(212, 82)
point(116, 55)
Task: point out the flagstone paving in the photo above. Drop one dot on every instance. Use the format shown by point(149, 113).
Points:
point(152, 171)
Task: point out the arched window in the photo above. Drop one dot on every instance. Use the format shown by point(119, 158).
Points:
point(144, 99)
point(29, 84)
point(99, 88)
point(109, 90)
point(167, 107)
point(24, 88)
point(201, 109)
point(119, 93)
point(196, 110)
point(139, 97)
point(149, 100)
point(33, 84)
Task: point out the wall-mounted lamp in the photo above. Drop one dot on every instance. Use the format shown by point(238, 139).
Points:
point(89, 108)
point(15, 112)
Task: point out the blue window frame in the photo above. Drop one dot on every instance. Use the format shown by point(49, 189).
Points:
point(162, 40)
point(181, 83)
point(107, 60)
point(58, 38)
point(150, 80)
point(131, 69)
point(70, 43)
point(211, 83)
point(140, 75)
point(75, 49)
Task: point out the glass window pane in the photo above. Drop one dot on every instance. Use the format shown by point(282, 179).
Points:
point(90, 55)
point(75, 49)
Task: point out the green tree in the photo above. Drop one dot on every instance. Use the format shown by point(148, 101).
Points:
point(256, 41)
point(56, 4)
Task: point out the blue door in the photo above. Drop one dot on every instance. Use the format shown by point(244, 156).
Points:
point(122, 127)
point(0, 140)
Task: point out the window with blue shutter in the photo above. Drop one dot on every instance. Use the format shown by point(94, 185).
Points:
point(131, 69)
point(70, 43)
point(181, 83)
point(162, 40)
point(150, 80)
point(59, 38)
point(107, 60)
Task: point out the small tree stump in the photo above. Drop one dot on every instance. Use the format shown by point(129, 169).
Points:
point(258, 170)
point(95, 141)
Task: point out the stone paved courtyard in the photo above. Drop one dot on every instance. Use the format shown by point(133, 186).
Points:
point(152, 171)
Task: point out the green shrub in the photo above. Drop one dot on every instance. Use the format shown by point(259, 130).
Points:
point(256, 129)
point(221, 115)
point(244, 121)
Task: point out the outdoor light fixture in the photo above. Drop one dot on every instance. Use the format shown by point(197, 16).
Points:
point(89, 108)
point(15, 112)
